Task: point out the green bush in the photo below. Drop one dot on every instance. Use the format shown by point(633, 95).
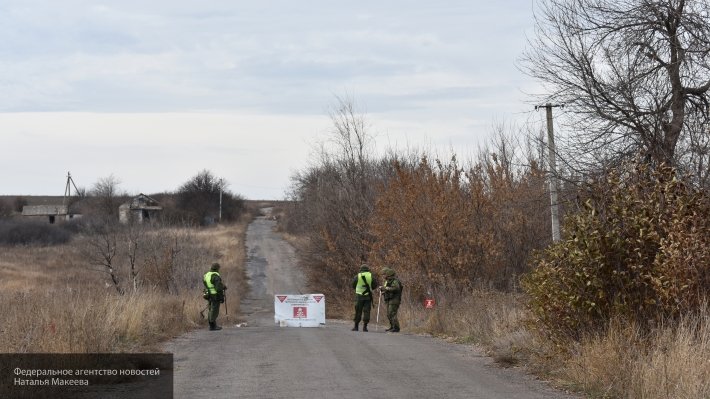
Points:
point(637, 250)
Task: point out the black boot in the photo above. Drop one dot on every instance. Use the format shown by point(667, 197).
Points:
point(214, 327)
point(364, 327)
point(355, 328)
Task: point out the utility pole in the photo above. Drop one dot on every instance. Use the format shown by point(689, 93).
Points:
point(221, 183)
point(67, 188)
point(554, 204)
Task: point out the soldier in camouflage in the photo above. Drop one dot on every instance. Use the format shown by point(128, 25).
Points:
point(392, 291)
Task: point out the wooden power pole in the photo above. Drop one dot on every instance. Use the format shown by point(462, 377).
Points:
point(554, 204)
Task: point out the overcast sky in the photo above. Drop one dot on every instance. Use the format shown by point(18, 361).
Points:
point(154, 91)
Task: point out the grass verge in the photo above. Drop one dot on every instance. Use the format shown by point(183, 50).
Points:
point(671, 362)
point(55, 302)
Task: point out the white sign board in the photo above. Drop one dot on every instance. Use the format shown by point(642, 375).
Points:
point(299, 310)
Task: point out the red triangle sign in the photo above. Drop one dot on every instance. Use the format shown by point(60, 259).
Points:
point(318, 298)
point(282, 297)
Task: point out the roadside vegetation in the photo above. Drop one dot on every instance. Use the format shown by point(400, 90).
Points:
point(617, 308)
point(96, 285)
point(57, 300)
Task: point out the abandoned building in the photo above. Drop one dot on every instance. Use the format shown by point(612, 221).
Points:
point(45, 209)
point(50, 213)
point(140, 209)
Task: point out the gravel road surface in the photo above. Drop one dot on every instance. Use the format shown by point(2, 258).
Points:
point(262, 360)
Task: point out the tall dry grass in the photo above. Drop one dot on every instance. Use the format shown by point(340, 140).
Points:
point(672, 362)
point(54, 301)
point(485, 317)
point(90, 321)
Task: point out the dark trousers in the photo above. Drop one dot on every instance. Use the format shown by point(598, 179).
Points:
point(363, 304)
point(214, 310)
point(392, 309)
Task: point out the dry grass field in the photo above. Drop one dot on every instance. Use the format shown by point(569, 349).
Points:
point(54, 300)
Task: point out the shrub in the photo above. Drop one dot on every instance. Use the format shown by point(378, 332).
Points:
point(32, 233)
point(5, 209)
point(422, 227)
point(637, 251)
point(198, 200)
point(442, 227)
point(19, 203)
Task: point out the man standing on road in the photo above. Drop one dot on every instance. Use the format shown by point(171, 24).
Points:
point(215, 294)
point(363, 284)
point(393, 297)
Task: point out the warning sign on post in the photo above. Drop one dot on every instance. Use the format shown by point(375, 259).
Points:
point(299, 310)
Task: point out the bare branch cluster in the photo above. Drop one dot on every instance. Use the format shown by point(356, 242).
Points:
point(634, 75)
point(137, 256)
point(335, 197)
point(443, 227)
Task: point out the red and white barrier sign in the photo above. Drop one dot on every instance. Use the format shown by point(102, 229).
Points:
point(299, 310)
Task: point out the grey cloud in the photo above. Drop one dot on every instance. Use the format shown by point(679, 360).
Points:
point(276, 56)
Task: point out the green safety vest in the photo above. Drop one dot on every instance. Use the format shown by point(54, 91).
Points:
point(362, 288)
point(208, 282)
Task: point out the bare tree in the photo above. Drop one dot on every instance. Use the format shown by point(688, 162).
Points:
point(134, 236)
point(106, 192)
point(633, 74)
point(350, 136)
point(101, 249)
point(137, 256)
point(335, 197)
point(694, 155)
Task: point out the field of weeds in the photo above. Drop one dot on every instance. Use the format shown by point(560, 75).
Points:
point(59, 299)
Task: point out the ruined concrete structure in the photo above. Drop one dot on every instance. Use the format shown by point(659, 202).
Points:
point(50, 213)
point(140, 209)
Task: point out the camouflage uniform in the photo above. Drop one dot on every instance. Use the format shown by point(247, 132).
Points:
point(393, 297)
point(214, 291)
point(363, 284)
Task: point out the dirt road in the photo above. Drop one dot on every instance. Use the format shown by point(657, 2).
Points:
point(262, 360)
